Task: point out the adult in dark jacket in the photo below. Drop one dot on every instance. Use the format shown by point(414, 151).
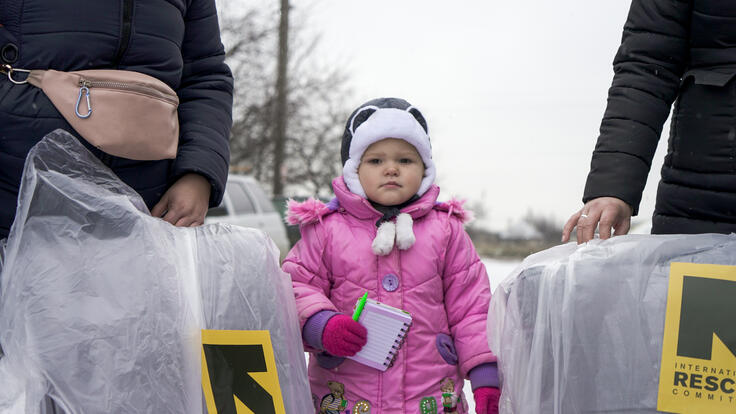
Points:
point(176, 41)
point(671, 49)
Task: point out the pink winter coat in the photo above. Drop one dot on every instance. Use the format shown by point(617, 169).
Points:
point(441, 282)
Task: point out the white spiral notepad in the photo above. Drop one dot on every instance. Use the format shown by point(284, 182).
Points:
point(387, 326)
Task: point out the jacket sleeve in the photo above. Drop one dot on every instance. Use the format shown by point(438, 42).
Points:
point(652, 57)
point(467, 296)
point(310, 277)
point(205, 100)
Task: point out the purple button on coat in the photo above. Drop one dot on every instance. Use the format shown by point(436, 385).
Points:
point(390, 282)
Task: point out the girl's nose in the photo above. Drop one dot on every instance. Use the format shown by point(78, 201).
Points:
point(392, 170)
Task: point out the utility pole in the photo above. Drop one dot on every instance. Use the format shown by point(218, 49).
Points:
point(279, 126)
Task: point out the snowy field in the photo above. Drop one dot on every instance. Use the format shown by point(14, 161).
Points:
point(498, 270)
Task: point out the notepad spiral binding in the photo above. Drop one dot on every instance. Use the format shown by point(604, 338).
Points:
point(396, 346)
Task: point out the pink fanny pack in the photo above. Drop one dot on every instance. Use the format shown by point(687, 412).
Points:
point(123, 113)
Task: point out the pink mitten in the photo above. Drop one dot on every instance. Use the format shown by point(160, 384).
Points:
point(486, 400)
point(343, 336)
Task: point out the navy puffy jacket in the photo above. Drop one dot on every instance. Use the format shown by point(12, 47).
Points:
point(176, 41)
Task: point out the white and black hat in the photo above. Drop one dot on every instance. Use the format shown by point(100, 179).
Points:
point(383, 118)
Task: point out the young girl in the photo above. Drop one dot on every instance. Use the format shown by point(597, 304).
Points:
point(386, 234)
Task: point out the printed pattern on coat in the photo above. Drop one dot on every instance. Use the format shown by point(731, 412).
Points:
point(362, 406)
point(334, 403)
point(449, 396)
point(428, 405)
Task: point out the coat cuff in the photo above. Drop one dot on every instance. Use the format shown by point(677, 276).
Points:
point(616, 175)
point(484, 375)
point(472, 362)
point(314, 327)
point(209, 164)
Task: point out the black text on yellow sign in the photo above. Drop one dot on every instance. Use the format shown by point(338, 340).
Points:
point(698, 372)
point(239, 373)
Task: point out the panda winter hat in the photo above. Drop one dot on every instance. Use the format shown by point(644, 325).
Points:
point(373, 121)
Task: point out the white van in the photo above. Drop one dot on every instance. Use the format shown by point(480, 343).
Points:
point(246, 204)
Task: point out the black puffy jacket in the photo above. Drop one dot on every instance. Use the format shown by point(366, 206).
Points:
point(684, 50)
point(176, 41)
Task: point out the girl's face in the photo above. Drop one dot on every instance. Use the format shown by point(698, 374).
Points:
point(390, 171)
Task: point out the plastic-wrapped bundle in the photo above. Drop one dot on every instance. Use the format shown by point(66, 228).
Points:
point(580, 329)
point(101, 305)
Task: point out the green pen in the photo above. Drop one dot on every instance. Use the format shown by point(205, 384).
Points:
point(359, 307)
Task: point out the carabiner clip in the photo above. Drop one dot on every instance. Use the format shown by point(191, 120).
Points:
point(83, 90)
point(9, 71)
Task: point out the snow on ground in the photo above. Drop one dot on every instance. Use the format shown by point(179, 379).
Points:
point(498, 270)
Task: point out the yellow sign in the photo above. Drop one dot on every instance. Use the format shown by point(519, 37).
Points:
point(698, 372)
point(239, 373)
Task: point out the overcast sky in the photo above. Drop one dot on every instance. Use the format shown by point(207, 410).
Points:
point(513, 91)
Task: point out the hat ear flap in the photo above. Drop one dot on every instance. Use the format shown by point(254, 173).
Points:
point(419, 117)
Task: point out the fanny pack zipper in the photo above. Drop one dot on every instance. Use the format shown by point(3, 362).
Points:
point(86, 84)
point(132, 87)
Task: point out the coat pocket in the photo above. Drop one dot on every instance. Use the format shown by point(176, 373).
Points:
point(709, 77)
point(446, 347)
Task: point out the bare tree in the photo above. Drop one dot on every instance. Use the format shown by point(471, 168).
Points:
point(479, 209)
point(248, 36)
point(547, 226)
point(315, 102)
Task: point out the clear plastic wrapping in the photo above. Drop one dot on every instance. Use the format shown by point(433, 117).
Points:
point(579, 329)
point(101, 305)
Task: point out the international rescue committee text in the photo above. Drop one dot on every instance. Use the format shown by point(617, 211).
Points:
point(699, 317)
point(704, 382)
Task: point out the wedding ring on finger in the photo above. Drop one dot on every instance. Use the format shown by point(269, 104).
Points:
point(583, 216)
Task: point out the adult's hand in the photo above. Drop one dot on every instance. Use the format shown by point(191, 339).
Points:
point(602, 212)
point(185, 203)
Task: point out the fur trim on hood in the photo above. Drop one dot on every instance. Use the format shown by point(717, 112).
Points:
point(308, 211)
point(455, 206)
